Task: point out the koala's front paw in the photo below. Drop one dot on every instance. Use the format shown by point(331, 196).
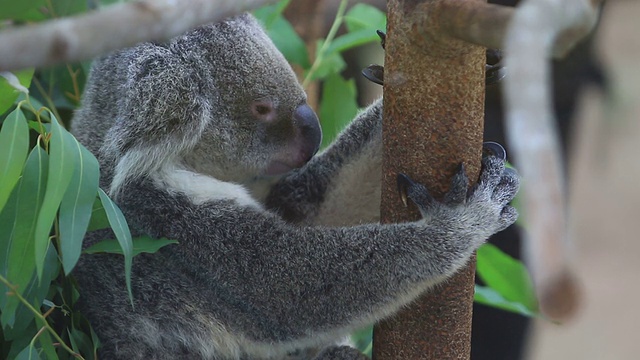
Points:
point(496, 187)
point(484, 207)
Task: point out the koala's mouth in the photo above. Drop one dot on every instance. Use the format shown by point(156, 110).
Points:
point(292, 159)
point(278, 167)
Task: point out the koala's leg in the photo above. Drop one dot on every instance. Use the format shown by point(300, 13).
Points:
point(341, 353)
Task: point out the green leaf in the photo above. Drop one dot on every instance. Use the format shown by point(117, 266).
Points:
point(267, 15)
point(22, 9)
point(351, 40)
point(63, 158)
point(80, 342)
point(490, 297)
point(363, 340)
point(18, 316)
point(121, 230)
point(28, 353)
point(31, 190)
point(14, 146)
point(364, 16)
point(69, 7)
point(507, 276)
point(77, 205)
point(46, 342)
point(331, 63)
point(17, 344)
point(65, 88)
point(142, 244)
point(8, 92)
point(338, 106)
point(7, 220)
point(289, 42)
point(99, 219)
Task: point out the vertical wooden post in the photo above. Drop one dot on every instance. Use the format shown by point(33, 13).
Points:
point(433, 120)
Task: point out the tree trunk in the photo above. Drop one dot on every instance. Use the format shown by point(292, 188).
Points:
point(433, 121)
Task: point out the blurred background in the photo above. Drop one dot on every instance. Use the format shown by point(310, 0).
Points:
point(605, 204)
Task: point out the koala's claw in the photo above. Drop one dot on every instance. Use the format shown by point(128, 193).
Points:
point(374, 73)
point(493, 148)
point(383, 38)
point(494, 68)
point(416, 192)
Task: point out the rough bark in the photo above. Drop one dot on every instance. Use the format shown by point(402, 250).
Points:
point(433, 120)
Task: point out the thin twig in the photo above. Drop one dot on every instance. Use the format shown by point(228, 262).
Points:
point(325, 45)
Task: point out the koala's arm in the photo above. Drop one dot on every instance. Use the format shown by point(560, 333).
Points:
point(341, 183)
point(335, 279)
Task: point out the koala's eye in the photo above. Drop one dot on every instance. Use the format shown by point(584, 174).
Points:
point(263, 110)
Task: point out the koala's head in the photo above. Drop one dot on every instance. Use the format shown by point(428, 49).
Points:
point(221, 100)
point(260, 123)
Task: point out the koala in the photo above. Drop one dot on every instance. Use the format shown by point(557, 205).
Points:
point(207, 139)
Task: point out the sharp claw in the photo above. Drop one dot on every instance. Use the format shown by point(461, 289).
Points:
point(403, 184)
point(374, 73)
point(494, 56)
point(494, 69)
point(383, 37)
point(495, 149)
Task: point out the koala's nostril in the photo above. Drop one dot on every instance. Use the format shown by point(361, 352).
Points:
point(263, 111)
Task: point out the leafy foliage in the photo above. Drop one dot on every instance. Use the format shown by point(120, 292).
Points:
point(508, 284)
point(49, 199)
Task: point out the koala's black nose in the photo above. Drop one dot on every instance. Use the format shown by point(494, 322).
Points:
point(307, 121)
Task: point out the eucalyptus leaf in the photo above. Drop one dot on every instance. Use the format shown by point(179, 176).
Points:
point(490, 297)
point(24, 10)
point(338, 107)
point(99, 219)
point(142, 244)
point(267, 15)
point(331, 63)
point(63, 158)
point(46, 342)
point(31, 190)
point(14, 147)
point(352, 39)
point(364, 16)
point(16, 316)
point(77, 205)
point(123, 235)
point(507, 276)
point(69, 7)
point(28, 353)
point(289, 42)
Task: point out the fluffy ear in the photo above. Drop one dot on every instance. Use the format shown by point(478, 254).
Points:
point(163, 112)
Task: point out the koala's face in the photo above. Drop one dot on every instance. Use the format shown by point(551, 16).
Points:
point(260, 121)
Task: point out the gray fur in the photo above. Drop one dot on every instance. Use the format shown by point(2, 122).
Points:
point(267, 267)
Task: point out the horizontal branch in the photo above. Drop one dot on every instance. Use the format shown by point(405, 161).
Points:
point(486, 24)
point(96, 33)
